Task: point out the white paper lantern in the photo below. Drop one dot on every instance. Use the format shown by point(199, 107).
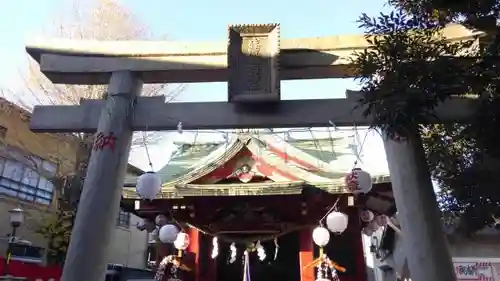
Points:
point(337, 222)
point(366, 216)
point(321, 236)
point(181, 241)
point(148, 185)
point(358, 181)
point(168, 233)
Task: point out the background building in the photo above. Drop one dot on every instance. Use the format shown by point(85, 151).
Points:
point(22, 186)
point(476, 257)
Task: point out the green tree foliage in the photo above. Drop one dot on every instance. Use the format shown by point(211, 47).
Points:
point(412, 69)
point(56, 227)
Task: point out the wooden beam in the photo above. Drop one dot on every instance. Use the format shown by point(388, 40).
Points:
point(91, 62)
point(152, 114)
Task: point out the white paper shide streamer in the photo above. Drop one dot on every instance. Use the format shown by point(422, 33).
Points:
point(233, 253)
point(261, 252)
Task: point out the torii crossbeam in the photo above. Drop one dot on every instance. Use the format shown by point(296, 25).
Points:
point(253, 64)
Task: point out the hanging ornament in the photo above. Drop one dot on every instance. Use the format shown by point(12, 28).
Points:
point(168, 233)
point(261, 252)
point(358, 181)
point(326, 269)
point(233, 250)
point(381, 220)
point(160, 272)
point(181, 242)
point(366, 216)
point(148, 185)
point(330, 269)
point(337, 222)
point(161, 220)
point(321, 236)
point(319, 274)
point(215, 248)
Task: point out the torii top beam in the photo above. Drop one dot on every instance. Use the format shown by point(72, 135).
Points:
point(252, 62)
point(92, 62)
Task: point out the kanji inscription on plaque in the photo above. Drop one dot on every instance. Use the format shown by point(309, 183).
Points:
point(253, 63)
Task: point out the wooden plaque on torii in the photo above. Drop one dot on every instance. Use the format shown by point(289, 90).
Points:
point(253, 63)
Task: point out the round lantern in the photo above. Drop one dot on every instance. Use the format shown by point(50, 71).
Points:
point(161, 220)
point(366, 215)
point(358, 181)
point(148, 185)
point(181, 241)
point(321, 236)
point(337, 222)
point(168, 233)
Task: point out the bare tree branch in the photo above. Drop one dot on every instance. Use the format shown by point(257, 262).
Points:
point(97, 20)
point(90, 20)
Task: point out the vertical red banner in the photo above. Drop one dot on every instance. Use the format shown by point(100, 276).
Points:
point(306, 254)
point(194, 249)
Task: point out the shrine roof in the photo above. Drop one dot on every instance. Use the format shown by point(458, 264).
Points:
point(287, 165)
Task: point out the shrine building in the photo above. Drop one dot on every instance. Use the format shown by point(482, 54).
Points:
point(262, 188)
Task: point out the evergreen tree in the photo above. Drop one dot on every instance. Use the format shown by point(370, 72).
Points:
point(412, 69)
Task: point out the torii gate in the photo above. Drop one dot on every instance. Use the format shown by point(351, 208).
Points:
point(253, 64)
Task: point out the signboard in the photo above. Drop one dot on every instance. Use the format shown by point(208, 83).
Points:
point(32, 271)
point(472, 270)
point(253, 63)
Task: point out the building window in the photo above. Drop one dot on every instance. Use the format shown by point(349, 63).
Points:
point(20, 181)
point(123, 219)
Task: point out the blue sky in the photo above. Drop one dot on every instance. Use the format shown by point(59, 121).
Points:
point(199, 20)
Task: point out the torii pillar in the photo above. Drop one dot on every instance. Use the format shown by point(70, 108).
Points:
point(100, 200)
point(253, 66)
point(424, 240)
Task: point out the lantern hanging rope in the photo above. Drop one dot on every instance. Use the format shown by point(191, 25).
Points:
point(332, 208)
point(262, 238)
point(148, 184)
point(359, 152)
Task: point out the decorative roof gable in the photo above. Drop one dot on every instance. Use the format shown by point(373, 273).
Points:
point(267, 157)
